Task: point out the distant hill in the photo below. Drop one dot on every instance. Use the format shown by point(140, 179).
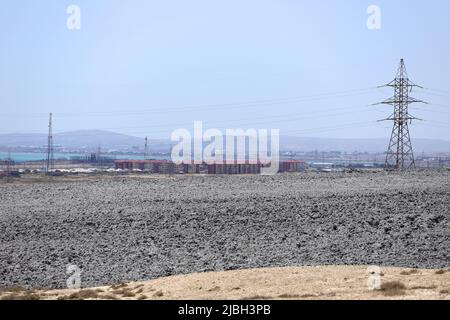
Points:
point(361, 145)
point(86, 139)
point(91, 139)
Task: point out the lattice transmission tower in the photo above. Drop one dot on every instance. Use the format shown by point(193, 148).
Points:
point(8, 167)
point(50, 159)
point(146, 149)
point(400, 153)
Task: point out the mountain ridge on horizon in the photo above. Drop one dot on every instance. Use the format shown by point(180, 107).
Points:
point(91, 139)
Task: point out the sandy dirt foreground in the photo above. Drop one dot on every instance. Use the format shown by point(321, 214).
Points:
point(317, 283)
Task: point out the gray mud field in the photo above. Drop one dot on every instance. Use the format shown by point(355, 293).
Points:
point(119, 229)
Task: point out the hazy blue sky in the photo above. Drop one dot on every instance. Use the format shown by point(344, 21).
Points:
point(148, 67)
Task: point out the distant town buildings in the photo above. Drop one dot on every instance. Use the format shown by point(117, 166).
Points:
point(235, 167)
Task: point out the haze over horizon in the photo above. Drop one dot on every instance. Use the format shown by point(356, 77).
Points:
point(146, 68)
point(90, 141)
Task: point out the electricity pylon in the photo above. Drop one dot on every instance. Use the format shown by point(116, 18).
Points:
point(8, 167)
point(50, 160)
point(400, 153)
point(146, 149)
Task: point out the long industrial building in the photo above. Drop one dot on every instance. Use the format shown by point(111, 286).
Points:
point(235, 167)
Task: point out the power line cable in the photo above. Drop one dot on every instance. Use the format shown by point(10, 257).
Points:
point(160, 109)
point(290, 117)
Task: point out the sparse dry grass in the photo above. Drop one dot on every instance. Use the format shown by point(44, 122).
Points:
point(306, 296)
point(158, 294)
point(23, 296)
point(81, 295)
point(442, 271)
point(393, 288)
point(124, 292)
point(214, 289)
point(17, 293)
point(118, 286)
point(258, 297)
point(12, 289)
point(430, 287)
point(262, 284)
point(108, 297)
point(409, 272)
point(289, 296)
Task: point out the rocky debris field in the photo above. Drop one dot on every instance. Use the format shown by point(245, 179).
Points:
point(122, 229)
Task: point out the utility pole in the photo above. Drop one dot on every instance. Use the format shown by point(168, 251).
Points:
point(50, 159)
point(8, 167)
point(99, 150)
point(400, 154)
point(146, 149)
